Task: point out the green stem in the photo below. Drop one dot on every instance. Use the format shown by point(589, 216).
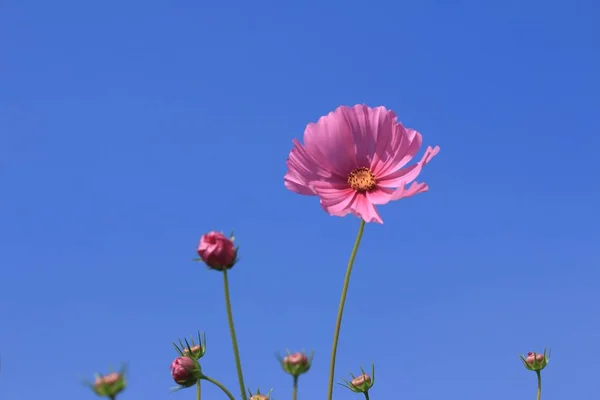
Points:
point(295, 391)
point(236, 351)
point(367, 396)
point(539, 392)
point(338, 323)
point(198, 390)
point(219, 385)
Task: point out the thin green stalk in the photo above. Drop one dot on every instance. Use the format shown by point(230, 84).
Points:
point(198, 390)
point(295, 391)
point(236, 351)
point(338, 323)
point(219, 385)
point(539, 392)
point(367, 396)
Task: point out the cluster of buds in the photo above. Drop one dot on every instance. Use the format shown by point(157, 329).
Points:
point(109, 385)
point(259, 396)
point(297, 363)
point(185, 369)
point(361, 383)
point(535, 361)
point(217, 251)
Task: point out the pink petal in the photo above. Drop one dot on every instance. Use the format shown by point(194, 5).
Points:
point(380, 195)
point(367, 124)
point(331, 144)
point(415, 188)
point(303, 169)
point(407, 144)
point(335, 198)
point(364, 209)
point(408, 174)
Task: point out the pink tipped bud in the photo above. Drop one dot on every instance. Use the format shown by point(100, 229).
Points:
point(109, 379)
point(217, 251)
point(535, 362)
point(360, 380)
point(109, 385)
point(361, 383)
point(296, 359)
point(196, 352)
point(259, 396)
point(531, 358)
point(296, 364)
point(185, 371)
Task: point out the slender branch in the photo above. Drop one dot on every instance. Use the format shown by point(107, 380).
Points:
point(219, 385)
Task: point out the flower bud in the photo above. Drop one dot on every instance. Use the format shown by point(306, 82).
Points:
point(296, 364)
point(217, 251)
point(259, 396)
point(535, 362)
point(185, 371)
point(109, 385)
point(361, 383)
point(193, 350)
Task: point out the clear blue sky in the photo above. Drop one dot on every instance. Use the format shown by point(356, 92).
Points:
point(128, 129)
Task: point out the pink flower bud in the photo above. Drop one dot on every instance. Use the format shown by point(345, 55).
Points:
point(109, 379)
point(185, 371)
point(360, 380)
point(259, 396)
point(296, 364)
point(535, 362)
point(361, 383)
point(109, 385)
point(295, 359)
point(531, 358)
point(217, 251)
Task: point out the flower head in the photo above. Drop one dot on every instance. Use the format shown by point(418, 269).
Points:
point(109, 385)
point(361, 383)
point(535, 361)
point(259, 396)
point(217, 251)
point(297, 363)
point(185, 371)
point(354, 158)
point(193, 350)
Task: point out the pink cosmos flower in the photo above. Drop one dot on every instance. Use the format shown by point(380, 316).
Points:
point(355, 158)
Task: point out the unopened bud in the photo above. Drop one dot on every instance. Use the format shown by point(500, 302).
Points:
point(217, 251)
point(185, 371)
point(296, 364)
point(361, 383)
point(109, 385)
point(535, 362)
point(259, 396)
point(193, 349)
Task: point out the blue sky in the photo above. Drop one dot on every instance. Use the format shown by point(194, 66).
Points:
point(128, 129)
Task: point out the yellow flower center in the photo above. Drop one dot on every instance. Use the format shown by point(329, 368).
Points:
point(362, 180)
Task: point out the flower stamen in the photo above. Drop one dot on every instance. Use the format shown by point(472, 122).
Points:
point(362, 180)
